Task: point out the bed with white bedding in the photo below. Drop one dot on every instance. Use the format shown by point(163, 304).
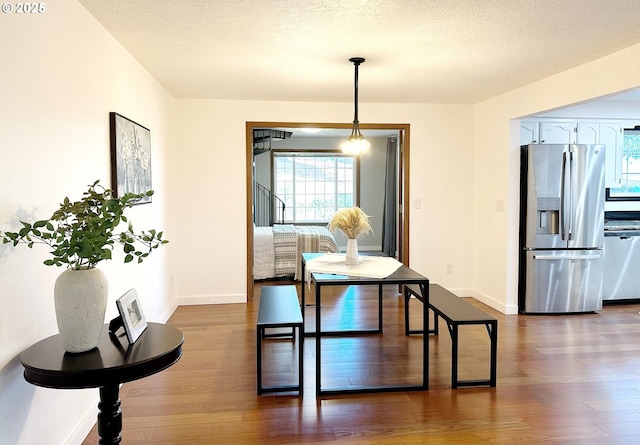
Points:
point(277, 249)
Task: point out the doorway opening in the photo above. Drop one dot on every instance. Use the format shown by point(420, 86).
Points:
point(317, 140)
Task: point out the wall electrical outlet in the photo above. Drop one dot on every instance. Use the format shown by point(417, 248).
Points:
point(499, 205)
point(449, 268)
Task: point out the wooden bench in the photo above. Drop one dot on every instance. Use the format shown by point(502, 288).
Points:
point(279, 308)
point(455, 311)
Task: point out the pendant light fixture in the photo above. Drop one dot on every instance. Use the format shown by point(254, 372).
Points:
point(356, 143)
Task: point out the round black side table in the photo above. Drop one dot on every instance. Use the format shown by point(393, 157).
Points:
point(110, 364)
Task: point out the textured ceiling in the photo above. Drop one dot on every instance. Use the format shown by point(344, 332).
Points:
point(423, 51)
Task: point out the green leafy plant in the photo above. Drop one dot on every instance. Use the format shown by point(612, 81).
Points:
point(83, 233)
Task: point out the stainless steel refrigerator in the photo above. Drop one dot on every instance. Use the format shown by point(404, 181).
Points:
point(561, 228)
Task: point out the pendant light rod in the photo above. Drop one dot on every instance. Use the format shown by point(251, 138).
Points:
point(356, 62)
point(356, 143)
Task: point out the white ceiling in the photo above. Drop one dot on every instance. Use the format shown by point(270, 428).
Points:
point(435, 51)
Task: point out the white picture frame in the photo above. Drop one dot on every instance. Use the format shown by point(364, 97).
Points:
point(133, 319)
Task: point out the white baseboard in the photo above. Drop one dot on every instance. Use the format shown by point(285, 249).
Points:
point(170, 310)
point(486, 299)
point(85, 426)
point(242, 298)
point(211, 299)
point(497, 305)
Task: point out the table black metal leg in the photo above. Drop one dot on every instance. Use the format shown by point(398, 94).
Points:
point(302, 289)
point(260, 334)
point(318, 340)
point(380, 308)
point(110, 415)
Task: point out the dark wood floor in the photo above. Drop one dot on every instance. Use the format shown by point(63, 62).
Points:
point(562, 380)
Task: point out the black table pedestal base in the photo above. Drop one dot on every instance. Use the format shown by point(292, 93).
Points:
point(110, 415)
point(106, 366)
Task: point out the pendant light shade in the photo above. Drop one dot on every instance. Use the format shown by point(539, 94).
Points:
point(356, 143)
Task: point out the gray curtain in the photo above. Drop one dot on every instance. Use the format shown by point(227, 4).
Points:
point(390, 211)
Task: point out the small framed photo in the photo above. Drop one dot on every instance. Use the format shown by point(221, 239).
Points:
point(132, 317)
point(130, 157)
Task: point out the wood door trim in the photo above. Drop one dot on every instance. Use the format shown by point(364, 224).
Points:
point(404, 181)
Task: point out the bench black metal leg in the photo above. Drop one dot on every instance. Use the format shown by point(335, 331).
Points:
point(297, 336)
point(407, 297)
point(454, 312)
point(301, 359)
point(493, 335)
point(407, 327)
point(291, 334)
point(435, 330)
point(453, 330)
point(280, 309)
point(492, 329)
point(425, 340)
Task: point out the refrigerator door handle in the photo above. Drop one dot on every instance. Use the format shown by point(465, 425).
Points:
point(571, 200)
point(571, 257)
point(565, 191)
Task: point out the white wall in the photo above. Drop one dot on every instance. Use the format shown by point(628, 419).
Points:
point(213, 269)
point(61, 75)
point(263, 169)
point(495, 234)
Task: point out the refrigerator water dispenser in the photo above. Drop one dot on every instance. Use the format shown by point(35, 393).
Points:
point(548, 216)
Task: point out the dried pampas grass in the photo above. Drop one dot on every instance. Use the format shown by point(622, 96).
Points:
point(353, 222)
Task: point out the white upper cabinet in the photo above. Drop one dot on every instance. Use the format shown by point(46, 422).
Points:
point(557, 132)
point(529, 132)
point(588, 133)
point(612, 135)
point(609, 133)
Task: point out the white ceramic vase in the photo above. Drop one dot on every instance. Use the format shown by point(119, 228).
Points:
point(81, 301)
point(351, 258)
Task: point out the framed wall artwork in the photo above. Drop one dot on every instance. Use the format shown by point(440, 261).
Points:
point(132, 317)
point(130, 157)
